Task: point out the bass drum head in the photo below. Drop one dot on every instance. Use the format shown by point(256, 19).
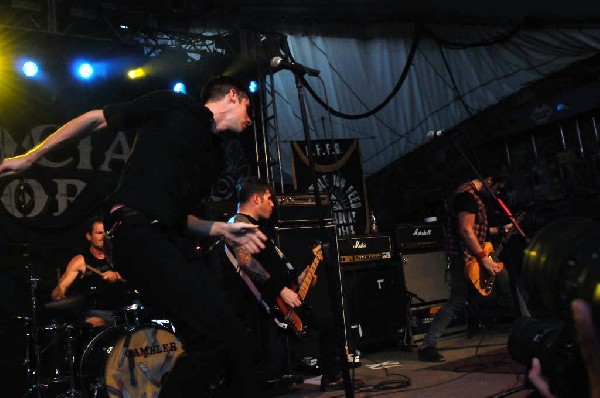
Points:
point(128, 362)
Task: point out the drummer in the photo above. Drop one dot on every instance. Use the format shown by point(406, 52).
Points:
point(90, 273)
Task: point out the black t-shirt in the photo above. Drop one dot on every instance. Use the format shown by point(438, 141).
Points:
point(175, 157)
point(102, 294)
point(464, 201)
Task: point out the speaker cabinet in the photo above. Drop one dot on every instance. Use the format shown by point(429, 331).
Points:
point(296, 242)
point(424, 275)
point(374, 303)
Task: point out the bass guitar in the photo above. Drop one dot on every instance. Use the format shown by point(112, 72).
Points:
point(287, 316)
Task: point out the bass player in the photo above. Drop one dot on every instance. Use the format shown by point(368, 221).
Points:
point(272, 278)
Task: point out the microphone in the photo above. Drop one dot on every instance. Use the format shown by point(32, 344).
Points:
point(280, 63)
point(432, 135)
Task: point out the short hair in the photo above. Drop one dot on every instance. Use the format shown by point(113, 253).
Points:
point(90, 224)
point(248, 186)
point(498, 174)
point(218, 87)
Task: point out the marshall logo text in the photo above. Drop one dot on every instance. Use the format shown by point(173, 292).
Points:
point(421, 232)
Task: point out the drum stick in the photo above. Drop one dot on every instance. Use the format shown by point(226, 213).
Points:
point(97, 271)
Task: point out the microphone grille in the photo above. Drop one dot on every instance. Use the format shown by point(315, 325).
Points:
point(275, 61)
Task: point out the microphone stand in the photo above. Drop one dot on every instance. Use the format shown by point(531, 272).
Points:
point(333, 278)
point(32, 335)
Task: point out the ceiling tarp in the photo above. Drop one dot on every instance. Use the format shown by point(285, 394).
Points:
point(456, 72)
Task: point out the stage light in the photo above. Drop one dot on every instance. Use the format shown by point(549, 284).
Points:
point(179, 88)
point(30, 69)
point(136, 73)
point(253, 86)
point(83, 70)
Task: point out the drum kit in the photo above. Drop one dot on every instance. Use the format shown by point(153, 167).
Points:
point(68, 358)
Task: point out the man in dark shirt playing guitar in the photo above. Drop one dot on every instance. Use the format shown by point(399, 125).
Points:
point(274, 280)
point(467, 237)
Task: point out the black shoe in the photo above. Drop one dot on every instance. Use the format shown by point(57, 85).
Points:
point(337, 383)
point(430, 354)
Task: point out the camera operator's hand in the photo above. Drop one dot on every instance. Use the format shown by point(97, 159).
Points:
point(588, 343)
point(539, 381)
point(589, 346)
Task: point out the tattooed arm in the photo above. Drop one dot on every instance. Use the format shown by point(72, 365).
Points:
point(251, 267)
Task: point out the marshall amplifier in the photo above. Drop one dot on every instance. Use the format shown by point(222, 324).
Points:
point(419, 237)
point(364, 248)
point(301, 208)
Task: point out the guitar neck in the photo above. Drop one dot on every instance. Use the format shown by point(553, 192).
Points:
point(310, 274)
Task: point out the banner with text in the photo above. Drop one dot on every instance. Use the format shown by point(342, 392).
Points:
point(339, 173)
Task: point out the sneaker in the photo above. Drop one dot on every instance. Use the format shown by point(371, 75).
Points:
point(430, 354)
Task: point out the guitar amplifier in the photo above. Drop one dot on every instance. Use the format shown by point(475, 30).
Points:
point(364, 248)
point(302, 208)
point(419, 237)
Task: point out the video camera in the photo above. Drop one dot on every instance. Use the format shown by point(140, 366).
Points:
point(561, 263)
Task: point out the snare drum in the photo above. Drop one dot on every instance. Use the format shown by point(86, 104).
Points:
point(128, 362)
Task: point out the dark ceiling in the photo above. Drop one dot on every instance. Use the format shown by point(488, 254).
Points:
point(329, 17)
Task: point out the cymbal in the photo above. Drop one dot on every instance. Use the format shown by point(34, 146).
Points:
point(72, 303)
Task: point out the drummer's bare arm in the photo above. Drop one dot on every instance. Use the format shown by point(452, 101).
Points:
point(75, 268)
point(77, 128)
point(241, 233)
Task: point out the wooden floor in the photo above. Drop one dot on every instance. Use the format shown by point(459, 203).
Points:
point(397, 373)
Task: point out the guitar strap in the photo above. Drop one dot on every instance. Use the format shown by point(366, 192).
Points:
point(246, 278)
point(282, 257)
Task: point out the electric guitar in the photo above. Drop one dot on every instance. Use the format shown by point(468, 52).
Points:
point(480, 277)
point(288, 316)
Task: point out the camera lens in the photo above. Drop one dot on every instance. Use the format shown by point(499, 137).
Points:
point(562, 262)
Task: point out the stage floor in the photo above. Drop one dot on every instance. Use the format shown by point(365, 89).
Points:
point(475, 367)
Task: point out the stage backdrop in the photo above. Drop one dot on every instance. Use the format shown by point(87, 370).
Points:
point(338, 168)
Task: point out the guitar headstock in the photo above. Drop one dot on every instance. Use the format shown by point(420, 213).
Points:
point(318, 252)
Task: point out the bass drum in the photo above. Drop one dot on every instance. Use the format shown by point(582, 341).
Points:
point(128, 362)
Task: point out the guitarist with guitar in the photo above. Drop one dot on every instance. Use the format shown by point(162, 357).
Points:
point(89, 271)
point(266, 291)
point(466, 238)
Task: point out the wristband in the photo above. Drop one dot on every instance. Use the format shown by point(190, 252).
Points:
point(480, 255)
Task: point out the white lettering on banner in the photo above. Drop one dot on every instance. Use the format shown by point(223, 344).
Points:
point(30, 204)
point(380, 283)
point(62, 194)
point(9, 145)
point(346, 202)
point(324, 149)
point(85, 154)
point(31, 199)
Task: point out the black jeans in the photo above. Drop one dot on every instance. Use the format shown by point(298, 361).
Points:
point(174, 279)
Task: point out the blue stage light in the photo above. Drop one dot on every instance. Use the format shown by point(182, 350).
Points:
point(30, 69)
point(83, 70)
point(253, 86)
point(179, 88)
